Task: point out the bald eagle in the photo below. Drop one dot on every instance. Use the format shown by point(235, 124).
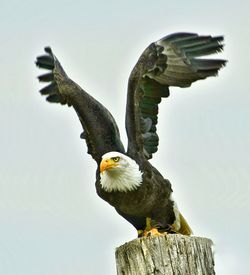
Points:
point(125, 178)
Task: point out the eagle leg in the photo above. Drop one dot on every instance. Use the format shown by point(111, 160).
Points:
point(140, 233)
point(153, 232)
point(150, 231)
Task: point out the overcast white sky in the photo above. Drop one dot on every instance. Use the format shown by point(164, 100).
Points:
point(51, 220)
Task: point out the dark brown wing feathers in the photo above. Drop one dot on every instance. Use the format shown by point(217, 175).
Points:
point(100, 130)
point(171, 61)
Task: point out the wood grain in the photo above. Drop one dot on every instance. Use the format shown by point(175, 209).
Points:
point(170, 254)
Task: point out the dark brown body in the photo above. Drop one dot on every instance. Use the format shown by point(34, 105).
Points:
point(151, 199)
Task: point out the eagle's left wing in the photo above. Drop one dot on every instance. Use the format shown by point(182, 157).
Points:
point(171, 61)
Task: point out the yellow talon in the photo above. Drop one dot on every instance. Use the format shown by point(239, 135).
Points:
point(153, 232)
point(149, 230)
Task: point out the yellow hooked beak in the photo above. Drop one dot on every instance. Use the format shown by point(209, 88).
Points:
point(107, 164)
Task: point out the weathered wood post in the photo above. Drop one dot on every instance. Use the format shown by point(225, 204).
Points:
point(169, 255)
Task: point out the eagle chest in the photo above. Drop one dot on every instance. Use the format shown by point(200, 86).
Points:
point(151, 195)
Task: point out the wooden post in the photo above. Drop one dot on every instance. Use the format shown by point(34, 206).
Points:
point(171, 254)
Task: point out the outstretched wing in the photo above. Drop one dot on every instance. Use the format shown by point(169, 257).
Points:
point(171, 61)
point(100, 130)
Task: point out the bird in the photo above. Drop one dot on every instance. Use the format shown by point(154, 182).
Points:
point(125, 178)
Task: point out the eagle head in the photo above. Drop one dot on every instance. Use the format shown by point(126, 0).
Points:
point(119, 173)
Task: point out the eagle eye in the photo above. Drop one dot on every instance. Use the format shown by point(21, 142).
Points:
point(116, 159)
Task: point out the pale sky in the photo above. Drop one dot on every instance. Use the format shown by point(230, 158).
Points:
point(51, 220)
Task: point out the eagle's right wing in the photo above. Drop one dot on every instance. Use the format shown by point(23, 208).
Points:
point(100, 130)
